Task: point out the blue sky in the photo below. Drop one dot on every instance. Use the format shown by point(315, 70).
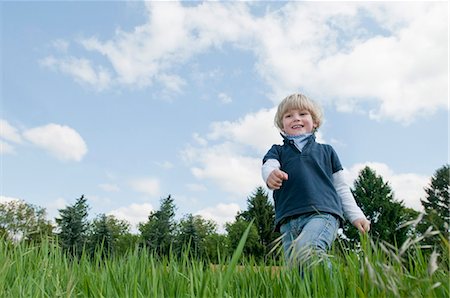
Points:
point(128, 102)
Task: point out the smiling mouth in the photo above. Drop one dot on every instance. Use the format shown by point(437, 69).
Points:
point(297, 126)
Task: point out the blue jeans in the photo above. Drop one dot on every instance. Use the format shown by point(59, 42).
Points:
point(308, 234)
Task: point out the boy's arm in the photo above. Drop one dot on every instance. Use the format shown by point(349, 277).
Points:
point(351, 210)
point(268, 167)
point(272, 174)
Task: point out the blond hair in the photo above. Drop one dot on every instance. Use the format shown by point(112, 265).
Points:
point(298, 101)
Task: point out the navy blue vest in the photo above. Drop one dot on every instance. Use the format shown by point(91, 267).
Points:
point(310, 185)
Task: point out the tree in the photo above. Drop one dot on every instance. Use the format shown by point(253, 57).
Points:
point(101, 239)
point(193, 231)
point(262, 211)
point(73, 227)
point(376, 200)
point(436, 205)
point(235, 231)
point(158, 231)
point(22, 221)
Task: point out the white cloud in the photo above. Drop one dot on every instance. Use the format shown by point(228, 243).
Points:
point(134, 214)
point(407, 187)
point(221, 214)
point(4, 199)
point(149, 186)
point(390, 55)
point(329, 51)
point(61, 141)
point(300, 45)
point(81, 70)
point(9, 133)
point(255, 130)
point(224, 98)
point(226, 166)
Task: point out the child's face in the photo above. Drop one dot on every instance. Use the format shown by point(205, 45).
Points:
point(297, 122)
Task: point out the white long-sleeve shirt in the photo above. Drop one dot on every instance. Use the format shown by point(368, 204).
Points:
point(349, 206)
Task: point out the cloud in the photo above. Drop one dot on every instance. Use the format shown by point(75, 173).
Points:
point(8, 134)
point(226, 166)
point(407, 187)
point(221, 214)
point(81, 70)
point(392, 56)
point(134, 214)
point(61, 141)
point(248, 130)
point(224, 98)
point(4, 199)
point(148, 186)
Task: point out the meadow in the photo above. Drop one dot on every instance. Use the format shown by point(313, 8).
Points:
point(375, 270)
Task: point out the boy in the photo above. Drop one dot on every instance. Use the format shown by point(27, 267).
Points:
point(310, 194)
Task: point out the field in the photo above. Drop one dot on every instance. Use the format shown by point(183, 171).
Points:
point(375, 271)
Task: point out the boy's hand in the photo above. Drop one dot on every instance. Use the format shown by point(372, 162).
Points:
point(275, 179)
point(362, 224)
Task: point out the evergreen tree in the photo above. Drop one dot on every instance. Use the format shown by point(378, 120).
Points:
point(194, 231)
point(437, 204)
point(73, 227)
point(158, 231)
point(376, 199)
point(260, 208)
point(101, 237)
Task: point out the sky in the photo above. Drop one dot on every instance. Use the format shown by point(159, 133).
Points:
point(128, 102)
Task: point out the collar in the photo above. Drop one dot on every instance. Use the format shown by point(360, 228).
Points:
point(288, 140)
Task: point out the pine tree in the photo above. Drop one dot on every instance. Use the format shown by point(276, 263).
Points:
point(193, 231)
point(73, 227)
point(437, 204)
point(262, 211)
point(376, 199)
point(101, 238)
point(158, 231)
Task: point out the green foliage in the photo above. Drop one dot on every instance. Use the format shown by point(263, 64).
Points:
point(235, 231)
point(158, 231)
point(387, 216)
point(193, 233)
point(437, 204)
point(375, 271)
point(261, 210)
point(73, 227)
point(22, 221)
point(101, 238)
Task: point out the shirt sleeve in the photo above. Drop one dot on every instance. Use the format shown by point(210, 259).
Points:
point(268, 167)
point(335, 162)
point(351, 209)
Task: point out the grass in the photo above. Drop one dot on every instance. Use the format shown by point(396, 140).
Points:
point(377, 270)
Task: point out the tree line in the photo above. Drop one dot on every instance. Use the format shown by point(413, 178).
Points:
point(392, 223)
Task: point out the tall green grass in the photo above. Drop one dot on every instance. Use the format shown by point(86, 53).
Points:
point(377, 270)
